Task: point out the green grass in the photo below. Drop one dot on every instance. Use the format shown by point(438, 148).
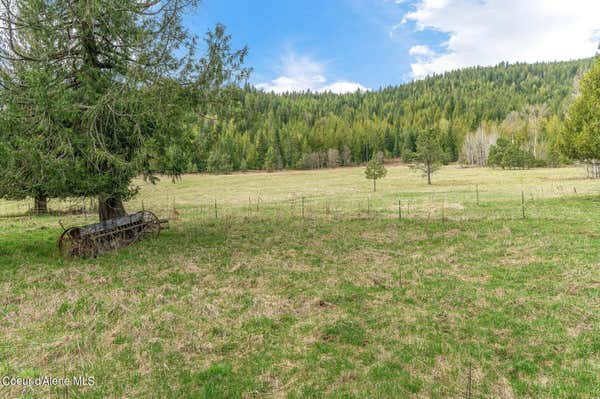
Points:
point(344, 303)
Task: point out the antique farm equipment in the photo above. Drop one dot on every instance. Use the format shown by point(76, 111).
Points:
point(94, 239)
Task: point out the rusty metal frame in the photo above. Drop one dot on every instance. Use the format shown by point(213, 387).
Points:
point(94, 239)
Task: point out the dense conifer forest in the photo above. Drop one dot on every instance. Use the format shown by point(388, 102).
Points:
point(469, 110)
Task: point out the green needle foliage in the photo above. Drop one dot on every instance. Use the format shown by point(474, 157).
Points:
point(581, 137)
point(522, 102)
point(375, 170)
point(97, 92)
point(429, 154)
point(508, 155)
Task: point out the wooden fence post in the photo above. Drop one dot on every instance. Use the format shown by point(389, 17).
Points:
point(444, 210)
point(399, 210)
point(470, 378)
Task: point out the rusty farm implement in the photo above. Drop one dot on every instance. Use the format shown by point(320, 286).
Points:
point(94, 239)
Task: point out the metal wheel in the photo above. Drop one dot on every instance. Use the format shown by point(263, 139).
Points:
point(68, 243)
point(151, 225)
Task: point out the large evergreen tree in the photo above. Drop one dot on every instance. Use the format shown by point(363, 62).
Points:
point(102, 91)
point(580, 138)
point(35, 156)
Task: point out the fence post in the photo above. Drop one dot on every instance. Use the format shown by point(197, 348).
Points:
point(368, 206)
point(469, 381)
point(477, 193)
point(523, 204)
point(399, 210)
point(444, 210)
point(216, 211)
point(302, 207)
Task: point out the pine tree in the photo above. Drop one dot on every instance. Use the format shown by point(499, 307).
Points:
point(103, 89)
point(375, 170)
point(580, 138)
point(429, 154)
point(219, 161)
point(272, 159)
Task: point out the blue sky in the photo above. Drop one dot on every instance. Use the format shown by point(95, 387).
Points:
point(342, 45)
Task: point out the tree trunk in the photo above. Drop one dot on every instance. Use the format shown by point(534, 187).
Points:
point(535, 141)
point(40, 205)
point(110, 208)
point(428, 173)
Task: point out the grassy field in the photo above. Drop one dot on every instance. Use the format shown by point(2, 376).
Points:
point(348, 301)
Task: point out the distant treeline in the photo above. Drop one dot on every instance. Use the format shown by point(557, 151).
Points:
point(469, 109)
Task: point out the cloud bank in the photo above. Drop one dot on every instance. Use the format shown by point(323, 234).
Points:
point(302, 73)
point(486, 32)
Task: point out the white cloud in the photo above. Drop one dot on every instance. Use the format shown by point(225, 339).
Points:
point(486, 32)
point(394, 29)
point(343, 87)
point(421, 50)
point(301, 73)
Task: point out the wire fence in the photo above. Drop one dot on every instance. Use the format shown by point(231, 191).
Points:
point(471, 204)
point(455, 205)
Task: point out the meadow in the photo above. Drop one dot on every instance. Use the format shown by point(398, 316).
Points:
point(306, 284)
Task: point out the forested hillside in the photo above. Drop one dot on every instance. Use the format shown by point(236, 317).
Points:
point(469, 109)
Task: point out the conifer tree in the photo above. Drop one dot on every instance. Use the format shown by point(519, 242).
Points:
point(429, 154)
point(103, 89)
point(580, 138)
point(375, 170)
point(272, 159)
